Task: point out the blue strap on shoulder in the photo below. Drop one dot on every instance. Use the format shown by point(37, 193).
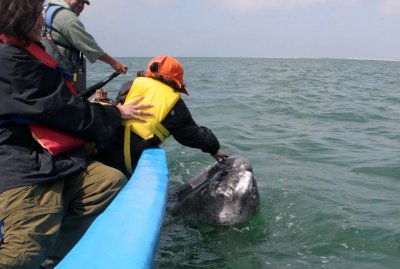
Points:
point(16, 120)
point(49, 12)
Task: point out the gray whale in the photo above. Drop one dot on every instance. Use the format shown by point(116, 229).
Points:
point(225, 193)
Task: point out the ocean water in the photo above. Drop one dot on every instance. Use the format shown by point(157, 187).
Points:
point(323, 136)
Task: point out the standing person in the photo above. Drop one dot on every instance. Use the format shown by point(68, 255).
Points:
point(68, 41)
point(161, 85)
point(48, 199)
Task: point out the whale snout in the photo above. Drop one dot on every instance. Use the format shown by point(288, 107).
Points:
point(225, 193)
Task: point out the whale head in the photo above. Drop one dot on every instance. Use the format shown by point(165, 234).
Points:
point(225, 193)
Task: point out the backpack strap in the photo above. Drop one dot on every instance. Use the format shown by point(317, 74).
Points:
point(49, 12)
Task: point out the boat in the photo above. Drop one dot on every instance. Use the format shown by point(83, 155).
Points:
point(126, 234)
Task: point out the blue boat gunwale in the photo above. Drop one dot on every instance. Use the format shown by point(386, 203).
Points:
point(126, 234)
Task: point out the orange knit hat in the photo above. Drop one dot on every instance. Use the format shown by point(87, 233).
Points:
point(169, 68)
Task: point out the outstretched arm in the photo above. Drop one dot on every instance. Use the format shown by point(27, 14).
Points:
point(185, 131)
point(117, 66)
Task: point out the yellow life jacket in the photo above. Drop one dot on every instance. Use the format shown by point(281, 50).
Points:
point(163, 98)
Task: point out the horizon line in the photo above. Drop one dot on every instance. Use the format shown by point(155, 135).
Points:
point(252, 57)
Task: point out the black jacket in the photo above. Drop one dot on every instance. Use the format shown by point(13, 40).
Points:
point(30, 89)
point(178, 122)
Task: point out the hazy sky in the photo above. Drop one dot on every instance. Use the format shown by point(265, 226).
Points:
point(247, 28)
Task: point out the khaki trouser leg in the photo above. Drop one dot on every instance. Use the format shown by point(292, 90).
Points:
point(32, 218)
point(86, 197)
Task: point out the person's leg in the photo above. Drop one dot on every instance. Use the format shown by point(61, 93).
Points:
point(86, 197)
point(32, 217)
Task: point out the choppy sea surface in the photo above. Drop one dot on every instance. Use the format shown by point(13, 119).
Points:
point(323, 136)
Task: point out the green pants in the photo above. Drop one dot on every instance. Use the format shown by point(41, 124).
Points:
point(43, 222)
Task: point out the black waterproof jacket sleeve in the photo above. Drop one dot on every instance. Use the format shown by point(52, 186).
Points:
point(179, 122)
point(31, 90)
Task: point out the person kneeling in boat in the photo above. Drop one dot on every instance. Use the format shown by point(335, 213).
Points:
point(50, 193)
point(161, 85)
